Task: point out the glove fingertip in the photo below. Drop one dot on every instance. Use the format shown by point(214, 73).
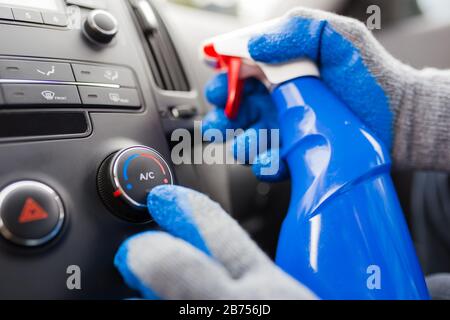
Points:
point(121, 262)
point(171, 208)
point(269, 167)
point(216, 90)
point(216, 119)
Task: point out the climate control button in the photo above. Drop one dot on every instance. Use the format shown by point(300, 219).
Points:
point(126, 177)
point(122, 97)
point(40, 94)
point(104, 74)
point(35, 70)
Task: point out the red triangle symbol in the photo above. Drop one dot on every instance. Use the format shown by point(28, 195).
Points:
point(32, 211)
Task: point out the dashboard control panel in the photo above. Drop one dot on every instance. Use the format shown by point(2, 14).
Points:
point(83, 140)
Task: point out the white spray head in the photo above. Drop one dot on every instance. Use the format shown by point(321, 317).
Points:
point(230, 52)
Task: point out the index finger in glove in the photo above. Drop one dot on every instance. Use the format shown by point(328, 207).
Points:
point(192, 216)
point(159, 265)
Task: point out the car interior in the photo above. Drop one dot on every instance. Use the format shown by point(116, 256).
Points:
point(92, 89)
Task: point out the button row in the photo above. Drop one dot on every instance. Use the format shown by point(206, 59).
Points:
point(56, 71)
point(45, 95)
point(33, 16)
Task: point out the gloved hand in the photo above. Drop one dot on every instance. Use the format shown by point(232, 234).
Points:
point(204, 254)
point(407, 109)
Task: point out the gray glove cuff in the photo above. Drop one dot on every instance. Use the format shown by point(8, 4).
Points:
point(422, 125)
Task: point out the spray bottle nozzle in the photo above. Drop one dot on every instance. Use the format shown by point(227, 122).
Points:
point(230, 52)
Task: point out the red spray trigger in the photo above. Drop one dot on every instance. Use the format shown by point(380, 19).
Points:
point(235, 85)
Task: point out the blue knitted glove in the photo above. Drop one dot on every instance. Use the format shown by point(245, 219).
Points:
point(352, 63)
point(256, 111)
point(205, 254)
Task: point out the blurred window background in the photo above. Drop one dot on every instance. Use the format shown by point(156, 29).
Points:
point(257, 10)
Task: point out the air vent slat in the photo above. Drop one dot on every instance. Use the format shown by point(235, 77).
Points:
point(161, 65)
point(178, 76)
point(165, 64)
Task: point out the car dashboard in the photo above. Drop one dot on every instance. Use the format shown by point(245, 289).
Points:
point(89, 92)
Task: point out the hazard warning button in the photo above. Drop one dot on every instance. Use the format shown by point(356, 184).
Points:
point(31, 213)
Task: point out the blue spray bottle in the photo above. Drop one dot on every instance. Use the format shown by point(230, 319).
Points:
point(344, 236)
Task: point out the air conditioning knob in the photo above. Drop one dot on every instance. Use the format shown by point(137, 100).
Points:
point(125, 179)
point(100, 26)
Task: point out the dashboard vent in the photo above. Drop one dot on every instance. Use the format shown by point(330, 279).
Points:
point(164, 62)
